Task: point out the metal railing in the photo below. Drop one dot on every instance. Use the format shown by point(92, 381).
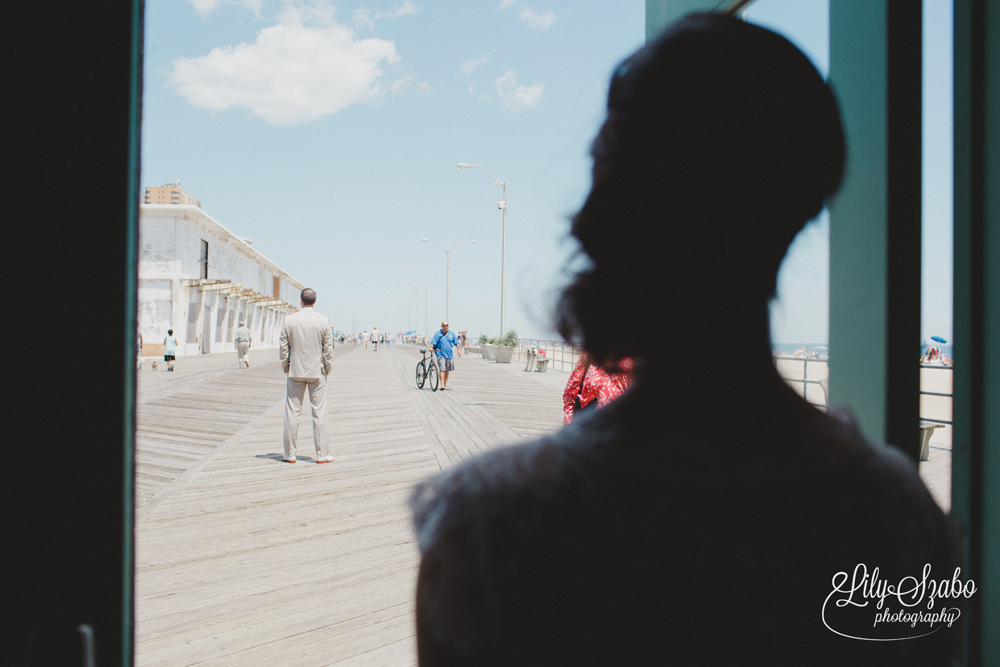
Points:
point(949, 395)
point(561, 355)
point(805, 381)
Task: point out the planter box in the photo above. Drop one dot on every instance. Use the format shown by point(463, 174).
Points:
point(488, 351)
point(504, 354)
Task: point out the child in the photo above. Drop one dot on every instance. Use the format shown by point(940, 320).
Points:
point(169, 349)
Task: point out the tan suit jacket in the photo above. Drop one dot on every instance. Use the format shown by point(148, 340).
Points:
point(306, 345)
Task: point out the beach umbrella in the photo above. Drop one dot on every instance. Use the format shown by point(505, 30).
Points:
point(409, 333)
point(939, 339)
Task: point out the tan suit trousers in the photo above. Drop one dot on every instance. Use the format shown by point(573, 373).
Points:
point(243, 352)
point(296, 392)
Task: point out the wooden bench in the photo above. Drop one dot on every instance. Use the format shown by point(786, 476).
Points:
point(534, 360)
point(926, 430)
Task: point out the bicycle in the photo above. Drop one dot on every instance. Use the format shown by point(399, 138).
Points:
point(427, 372)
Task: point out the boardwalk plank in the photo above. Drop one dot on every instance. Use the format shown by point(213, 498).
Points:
point(245, 560)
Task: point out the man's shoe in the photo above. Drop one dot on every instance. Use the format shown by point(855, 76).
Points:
point(288, 459)
point(325, 459)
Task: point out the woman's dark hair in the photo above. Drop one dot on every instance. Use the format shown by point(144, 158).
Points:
point(170, 332)
point(721, 142)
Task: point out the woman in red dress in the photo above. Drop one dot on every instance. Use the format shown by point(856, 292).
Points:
point(594, 386)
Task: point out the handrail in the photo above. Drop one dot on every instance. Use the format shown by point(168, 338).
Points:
point(556, 351)
point(563, 356)
point(805, 381)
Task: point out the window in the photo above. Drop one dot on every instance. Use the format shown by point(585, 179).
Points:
point(204, 259)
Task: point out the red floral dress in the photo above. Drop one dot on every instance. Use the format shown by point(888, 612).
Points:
point(597, 385)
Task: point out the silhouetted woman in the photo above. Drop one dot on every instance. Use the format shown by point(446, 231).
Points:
point(701, 518)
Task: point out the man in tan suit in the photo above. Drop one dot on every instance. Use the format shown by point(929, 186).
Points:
point(306, 355)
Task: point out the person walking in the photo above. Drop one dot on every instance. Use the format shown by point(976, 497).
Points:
point(306, 356)
point(242, 343)
point(375, 338)
point(169, 349)
point(138, 351)
point(444, 342)
point(364, 338)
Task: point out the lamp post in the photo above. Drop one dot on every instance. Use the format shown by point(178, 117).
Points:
point(426, 285)
point(415, 290)
point(503, 256)
point(406, 301)
point(447, 282)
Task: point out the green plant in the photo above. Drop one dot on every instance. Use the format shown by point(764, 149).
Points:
point(483, 339)
point(510, 340)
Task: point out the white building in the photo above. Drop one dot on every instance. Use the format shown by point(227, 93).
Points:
point(197, 278)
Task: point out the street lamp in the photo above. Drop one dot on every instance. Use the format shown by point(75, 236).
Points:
point(415, 291)
point(406, 303)
point(503, 257)
point(447, 282)
point(426, 285)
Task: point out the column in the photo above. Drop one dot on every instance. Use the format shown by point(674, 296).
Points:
point(875, 69)
point(975, 480)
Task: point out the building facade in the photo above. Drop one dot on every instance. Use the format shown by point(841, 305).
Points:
point(169, 193)
point(198, 278)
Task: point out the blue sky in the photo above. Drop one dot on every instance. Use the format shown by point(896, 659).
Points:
point(800, 314)
point(329, 134)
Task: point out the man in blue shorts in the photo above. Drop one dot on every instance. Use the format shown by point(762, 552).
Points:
point(444, 343)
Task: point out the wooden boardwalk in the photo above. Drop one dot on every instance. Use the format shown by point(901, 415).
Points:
point(245, 560)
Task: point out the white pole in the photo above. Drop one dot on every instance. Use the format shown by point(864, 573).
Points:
point(503, 265)
point(503, 257)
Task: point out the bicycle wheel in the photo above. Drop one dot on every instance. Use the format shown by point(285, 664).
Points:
point(432, 376)
point(421, 374)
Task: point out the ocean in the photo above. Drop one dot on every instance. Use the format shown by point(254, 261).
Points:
point(789, 348)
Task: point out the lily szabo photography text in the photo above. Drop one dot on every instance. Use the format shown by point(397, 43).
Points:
point(860, 604)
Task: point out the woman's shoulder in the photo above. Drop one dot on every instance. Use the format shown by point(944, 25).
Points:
point(486, 487)
point(877, 475)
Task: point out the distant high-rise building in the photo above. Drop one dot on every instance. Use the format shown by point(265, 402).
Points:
point(170, 193)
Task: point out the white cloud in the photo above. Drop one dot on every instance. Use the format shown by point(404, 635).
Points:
point(405, 9)
point(505, 4)
point(363, 20)
point(400, 86)
point(291, 74)
point(473, 63)
point(516, 96)
point(537, 20)
point(320, 11)
point(205, 7)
